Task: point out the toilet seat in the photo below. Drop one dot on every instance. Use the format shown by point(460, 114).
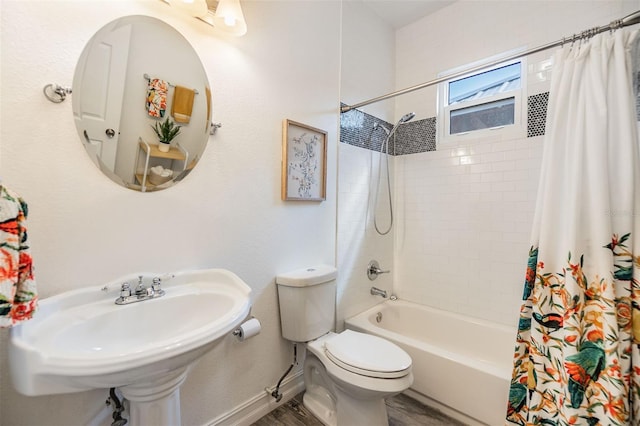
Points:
point(367, 355)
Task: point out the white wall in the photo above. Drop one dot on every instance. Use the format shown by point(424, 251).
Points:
point(85, 230)
point(368, 53)
point(466, 210)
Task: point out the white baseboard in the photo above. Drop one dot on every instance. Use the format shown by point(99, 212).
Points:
point(261, 404)
point(454, 414)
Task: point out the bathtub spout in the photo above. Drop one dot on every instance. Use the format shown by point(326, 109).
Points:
point(375, 291)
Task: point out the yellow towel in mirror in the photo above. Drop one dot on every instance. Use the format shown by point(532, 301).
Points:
point(182, 104)
point(208, 92)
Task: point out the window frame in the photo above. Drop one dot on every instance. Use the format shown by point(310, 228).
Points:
point(517, 129)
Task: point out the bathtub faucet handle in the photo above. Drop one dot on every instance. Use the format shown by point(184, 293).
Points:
point(373, 270)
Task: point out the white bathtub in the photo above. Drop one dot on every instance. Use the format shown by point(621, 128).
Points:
point(461, 365)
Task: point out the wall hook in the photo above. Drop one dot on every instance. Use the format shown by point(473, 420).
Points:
point(214, 128)
point(56, 93)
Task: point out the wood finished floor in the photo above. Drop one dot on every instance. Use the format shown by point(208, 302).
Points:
point(402, 411)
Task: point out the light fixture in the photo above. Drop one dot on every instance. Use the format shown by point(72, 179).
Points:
point(228, 17)
point(224, 15)
point(191, 7)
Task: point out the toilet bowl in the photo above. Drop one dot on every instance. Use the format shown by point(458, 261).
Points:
point(347, 375)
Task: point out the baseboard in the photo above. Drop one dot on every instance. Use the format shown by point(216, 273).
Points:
point(454, 414)
point(261, 404)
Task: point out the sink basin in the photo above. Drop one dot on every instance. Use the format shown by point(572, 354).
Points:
point(81, 340)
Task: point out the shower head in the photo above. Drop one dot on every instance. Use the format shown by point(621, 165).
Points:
point(407, 117)
point(403, 119)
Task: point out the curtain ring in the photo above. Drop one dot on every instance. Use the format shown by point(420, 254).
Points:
point(615, 25)
point(574, 38)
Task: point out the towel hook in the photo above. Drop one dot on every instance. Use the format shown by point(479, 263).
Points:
point(56, 93)
point(214, 128)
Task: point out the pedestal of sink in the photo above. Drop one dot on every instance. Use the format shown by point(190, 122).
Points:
point(157, 402)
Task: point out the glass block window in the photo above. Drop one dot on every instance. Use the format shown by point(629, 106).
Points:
point(483, 101)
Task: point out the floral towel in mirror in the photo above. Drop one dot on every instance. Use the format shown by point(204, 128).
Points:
point(157, 97)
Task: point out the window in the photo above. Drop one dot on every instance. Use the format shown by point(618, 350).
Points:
point(480, 102)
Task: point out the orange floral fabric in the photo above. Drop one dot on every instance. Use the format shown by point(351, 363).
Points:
point(18, 294)
point(576, 359)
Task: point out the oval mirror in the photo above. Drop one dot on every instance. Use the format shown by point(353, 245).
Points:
point(136, 78)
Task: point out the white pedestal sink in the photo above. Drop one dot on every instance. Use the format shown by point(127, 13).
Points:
point(81, 340)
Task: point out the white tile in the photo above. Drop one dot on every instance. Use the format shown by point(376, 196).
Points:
point(502, 166)
point(493, 177)
point(480, 168)
point(493, 156)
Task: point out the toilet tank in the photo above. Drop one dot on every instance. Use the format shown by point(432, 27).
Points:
point(307, 300)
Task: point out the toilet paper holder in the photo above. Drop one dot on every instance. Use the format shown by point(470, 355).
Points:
point(247, 329)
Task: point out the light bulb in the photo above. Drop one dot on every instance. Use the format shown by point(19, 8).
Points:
point(230, 18)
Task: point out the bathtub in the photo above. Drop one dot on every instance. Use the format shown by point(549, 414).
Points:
point(461, 365)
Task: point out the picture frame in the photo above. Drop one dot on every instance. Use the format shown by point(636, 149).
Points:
point(304, 162)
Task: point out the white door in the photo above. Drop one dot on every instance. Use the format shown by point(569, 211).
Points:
point(100, 81)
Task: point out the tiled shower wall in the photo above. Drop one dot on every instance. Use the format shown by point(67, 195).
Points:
point(463, 210)
point(360, 129)
point(465, 214)
point(475, 200)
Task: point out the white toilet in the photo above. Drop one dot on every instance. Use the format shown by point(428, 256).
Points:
point(347, 375)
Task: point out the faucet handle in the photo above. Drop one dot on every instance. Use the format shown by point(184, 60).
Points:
point(157, 281)
point(125, 290)
point(373, 270)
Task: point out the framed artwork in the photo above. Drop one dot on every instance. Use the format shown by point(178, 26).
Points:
point(304, 162)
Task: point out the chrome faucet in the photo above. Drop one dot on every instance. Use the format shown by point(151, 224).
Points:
point(140, 288)
point(375, 291)
point(140, 293)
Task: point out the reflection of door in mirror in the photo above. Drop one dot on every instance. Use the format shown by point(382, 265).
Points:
point(100, 77)
point(110, 93)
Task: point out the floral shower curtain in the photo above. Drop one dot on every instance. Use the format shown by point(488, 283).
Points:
point(577, 358)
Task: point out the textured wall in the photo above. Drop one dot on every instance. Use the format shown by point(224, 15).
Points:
point(85, 230)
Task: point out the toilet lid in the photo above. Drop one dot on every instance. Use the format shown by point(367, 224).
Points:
point(367, 355)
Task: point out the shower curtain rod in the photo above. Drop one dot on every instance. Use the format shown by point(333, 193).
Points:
point(631, 19)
